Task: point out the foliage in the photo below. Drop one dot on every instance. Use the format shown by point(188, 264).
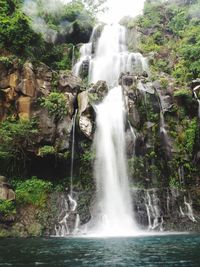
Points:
point(16, 34)
point(190, 135)
point(33, 191)
point(183, 92)
point(190, 50)
point(172, 30)
point(86, 161)
point(7, 207)
point(95, 6)
point(56, 105)
point(174, 183)
point(16, 139)
point(164, 83)
point(73, 24)
point(46, 150)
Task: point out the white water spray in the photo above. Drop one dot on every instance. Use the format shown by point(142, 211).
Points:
point(112, 58)
point(72, 153)
point(113, 212)
point(198, 100)
point(113, 196)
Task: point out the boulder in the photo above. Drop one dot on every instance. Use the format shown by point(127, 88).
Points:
point(70, 100)
point(14, 79)
point(24, 107)
point(68, 82)
point(6, 192)
point(85, 126)
point(133, 114)
point(44, 77)
point(83, 102)
point(63, 134)
point(27, 86)
point(146, 87)
point(47, 126)
point(97, 92)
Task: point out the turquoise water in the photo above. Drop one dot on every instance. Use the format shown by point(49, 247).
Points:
point(176, 250)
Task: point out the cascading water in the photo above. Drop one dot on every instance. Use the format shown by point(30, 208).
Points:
point(112, 58)
point(155, 220)
point(68, 205)
point(198, 100)
point(113, 210)
point(72, 152)
point(113, 197)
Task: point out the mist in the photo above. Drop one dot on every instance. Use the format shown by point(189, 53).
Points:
point(32, 9)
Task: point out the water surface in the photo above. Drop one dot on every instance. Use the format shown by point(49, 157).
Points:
point(151, 251)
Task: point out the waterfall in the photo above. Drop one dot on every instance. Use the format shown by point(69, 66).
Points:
point(85, 54)
point(68, 220)
point(196, 96)
point(113, 197)
point(113, 211)
point(72, 152)
point(155, 220)
point(187, 211)
point(112, 58)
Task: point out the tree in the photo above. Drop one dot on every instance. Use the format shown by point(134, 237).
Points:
point(95, 6)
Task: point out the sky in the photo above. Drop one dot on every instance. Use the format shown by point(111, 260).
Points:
point(121, 8)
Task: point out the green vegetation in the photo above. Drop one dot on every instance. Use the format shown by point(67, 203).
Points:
point(56, 105)
point(33, 191)
point(22, 34)
point(86, 166)
point(16, 140)
point(46, 150)
point(7, 208)
point(172, 30)
point(189, 135)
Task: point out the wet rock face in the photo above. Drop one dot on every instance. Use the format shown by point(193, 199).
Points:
point(86, 100)
point(85, 125)
point(195, 83)
point(165, 209)
point(97, 92)
point(126, 79)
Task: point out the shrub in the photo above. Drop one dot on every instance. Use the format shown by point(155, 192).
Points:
point(183, 92)
point(7, 207)
point(185, 95)
point(46, 150)
point(16, 140)
point(190, 135)
point(33, 191)
point(56, 105)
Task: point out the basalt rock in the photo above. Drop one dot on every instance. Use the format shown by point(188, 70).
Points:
point(86, 100)
point(195, 83)
point(97, 92)
point(6, 191)
point(67, 82)
point(27, 85)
